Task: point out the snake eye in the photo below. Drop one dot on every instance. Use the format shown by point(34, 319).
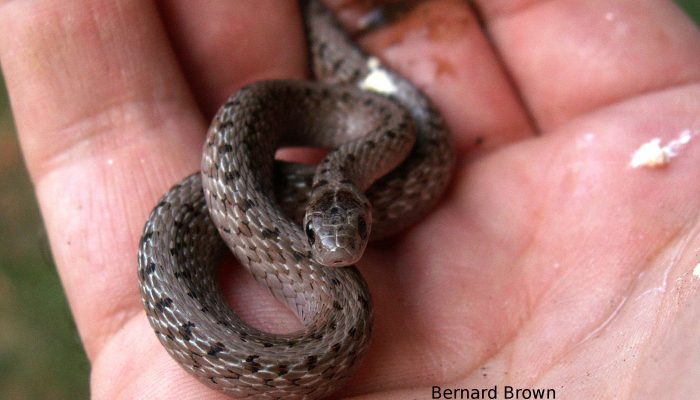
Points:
point(310, 233)
point(362, 228)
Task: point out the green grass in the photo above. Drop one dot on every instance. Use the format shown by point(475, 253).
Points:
point(40, 352)
point(692, 7)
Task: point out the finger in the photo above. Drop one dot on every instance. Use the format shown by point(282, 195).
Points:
point(438, 45)
point(223, 44)
point(106, 124)
point(571, 57)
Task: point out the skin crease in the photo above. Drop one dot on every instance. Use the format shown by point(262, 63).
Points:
point(557, 265)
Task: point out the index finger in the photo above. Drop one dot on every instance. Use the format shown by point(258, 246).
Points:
point(107, 123)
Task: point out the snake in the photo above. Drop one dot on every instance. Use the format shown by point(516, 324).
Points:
point(299, 229)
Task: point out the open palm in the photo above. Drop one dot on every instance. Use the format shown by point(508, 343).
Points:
point(549, 264)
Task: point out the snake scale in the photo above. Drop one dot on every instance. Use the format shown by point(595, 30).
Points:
point(391, 160)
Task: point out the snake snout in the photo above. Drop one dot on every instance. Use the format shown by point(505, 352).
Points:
point(336, 245)
point(337, 257)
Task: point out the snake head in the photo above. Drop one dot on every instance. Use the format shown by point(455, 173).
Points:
point(337, 225)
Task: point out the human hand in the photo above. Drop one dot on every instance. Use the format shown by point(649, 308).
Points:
point(550, 263)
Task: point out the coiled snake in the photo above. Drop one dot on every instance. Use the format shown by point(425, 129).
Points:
point(392, 161)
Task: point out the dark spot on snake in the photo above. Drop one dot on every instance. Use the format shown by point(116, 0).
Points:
point(217, 348)
point(227, 230)
point(186, 330)
point(370, 144)
point(146, 236)
point(362, 228)
point(251, 358)
point(222, 322)
point(182, 274)
point(211, 378)
point(267, 344)
point(351, 332)
point(150, 268)
point(345, 197)
point(320, 183)
point(335, 210)
point(310, 233)
point(225, 148)
point(249, 204)
point(337, 305)
point(336, 347)
point(252, 366)
point(164, 303)
point(243, 336)
point(335, 281)
point(268, 234)
point(231, 175)
point(204, 310)
point(332, 325)
point(162, 203)
point(354, 76)
point(173, 251)
point(192, 294)
point(226, 125)
point(195, 362)
point(282, 369)
point(322, 48)
point(391, 134)
point(233, 101)
point(291, 343)
point(351, 157)
point(337, 64)
point(363, 301)
point(311, 362)
point(297, 256)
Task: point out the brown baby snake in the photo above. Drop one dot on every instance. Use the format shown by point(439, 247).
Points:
point(391, 161)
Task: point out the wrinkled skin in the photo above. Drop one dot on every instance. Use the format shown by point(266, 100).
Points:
point(550, 262)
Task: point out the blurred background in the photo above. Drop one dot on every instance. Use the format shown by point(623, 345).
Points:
point(40, 352)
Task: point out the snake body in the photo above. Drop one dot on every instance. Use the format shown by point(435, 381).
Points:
point(392, 161)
